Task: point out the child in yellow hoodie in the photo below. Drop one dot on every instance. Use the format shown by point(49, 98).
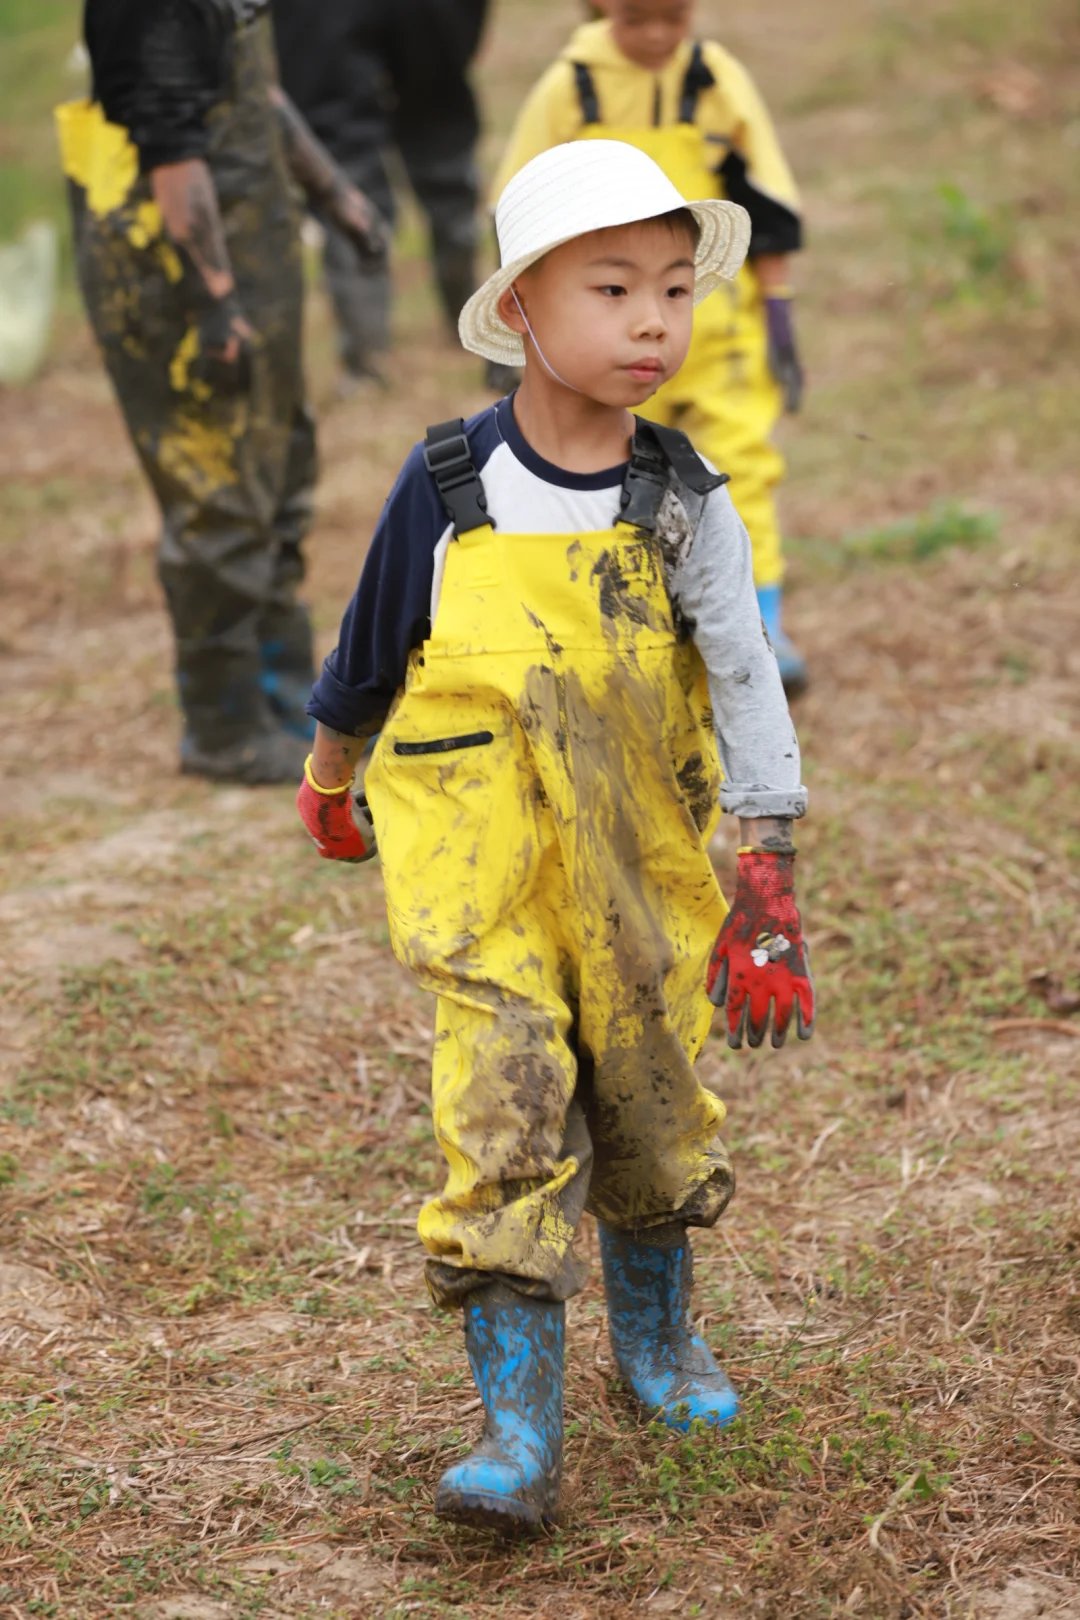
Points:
point(636, 75)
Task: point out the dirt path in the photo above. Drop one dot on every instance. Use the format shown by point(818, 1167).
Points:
point(224, 1391)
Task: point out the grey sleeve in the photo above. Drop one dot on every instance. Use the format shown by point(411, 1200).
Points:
point(713, 587)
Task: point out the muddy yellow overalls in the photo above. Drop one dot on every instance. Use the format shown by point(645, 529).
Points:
point(543, 792)
point(724, 397)
point(233, 472)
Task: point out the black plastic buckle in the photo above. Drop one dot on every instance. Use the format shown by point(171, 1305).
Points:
point(448, 459)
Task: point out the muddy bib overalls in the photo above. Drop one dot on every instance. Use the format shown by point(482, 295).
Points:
point(233, 472)
point(543, 792)
point(724, 396)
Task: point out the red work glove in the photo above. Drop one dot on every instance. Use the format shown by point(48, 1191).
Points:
point(337, 819)
point(760, 961)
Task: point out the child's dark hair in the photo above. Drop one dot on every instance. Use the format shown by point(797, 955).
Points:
point(680, 222)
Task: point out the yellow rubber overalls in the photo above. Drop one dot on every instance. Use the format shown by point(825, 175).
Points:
point(543, 792)
point(724, 397)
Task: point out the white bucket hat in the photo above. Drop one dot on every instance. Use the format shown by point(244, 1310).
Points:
point(586, 186)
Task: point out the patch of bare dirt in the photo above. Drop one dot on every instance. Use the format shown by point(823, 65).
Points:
point(1025, 1599)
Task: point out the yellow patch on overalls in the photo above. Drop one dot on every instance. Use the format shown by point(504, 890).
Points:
point(97, 155)
point(543, 793)
point(180, 378)
point(201, 453)
point(146, 225)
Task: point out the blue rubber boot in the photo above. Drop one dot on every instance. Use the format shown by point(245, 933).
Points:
point(287, 685)
point(667, 1367)
point(793, 671)
point(516, 1348)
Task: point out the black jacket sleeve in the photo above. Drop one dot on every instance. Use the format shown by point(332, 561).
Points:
point(774, 228)
point(158, 68)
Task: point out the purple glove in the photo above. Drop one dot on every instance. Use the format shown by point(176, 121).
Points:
point(783, 355)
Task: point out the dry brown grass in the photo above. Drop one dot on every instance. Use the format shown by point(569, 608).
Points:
point(223, 1391)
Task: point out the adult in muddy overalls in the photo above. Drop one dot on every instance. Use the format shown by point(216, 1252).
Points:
point(181, 169)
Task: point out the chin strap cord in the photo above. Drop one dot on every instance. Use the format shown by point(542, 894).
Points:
point(548, 366)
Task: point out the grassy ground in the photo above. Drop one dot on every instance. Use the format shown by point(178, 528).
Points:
point(224, 1393)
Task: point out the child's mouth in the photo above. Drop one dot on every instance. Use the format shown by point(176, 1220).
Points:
point(645, 370)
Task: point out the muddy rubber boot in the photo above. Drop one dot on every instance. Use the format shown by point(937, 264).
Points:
point(793, 671)
point(516, 1348)
point(230, 733)
point(261, 760)
point(667, 1367)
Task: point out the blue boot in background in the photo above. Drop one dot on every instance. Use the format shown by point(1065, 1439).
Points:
point(287, 676)
point(668, 1368)
point(287, 659)
point(516, 1349)
point(793, 671)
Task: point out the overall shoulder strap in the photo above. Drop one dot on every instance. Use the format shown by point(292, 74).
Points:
point(586, 89)
point(655, 453)
point(448, 459)
point(699, 77)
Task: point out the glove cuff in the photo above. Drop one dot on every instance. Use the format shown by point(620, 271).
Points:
point(326, 793)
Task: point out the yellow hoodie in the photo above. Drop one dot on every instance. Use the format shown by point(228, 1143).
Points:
point(750, 167)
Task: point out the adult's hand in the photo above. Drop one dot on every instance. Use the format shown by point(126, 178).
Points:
point(226, 343)
point(189, 210)
point(325, 182)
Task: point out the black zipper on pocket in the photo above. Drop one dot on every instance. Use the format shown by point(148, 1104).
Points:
point(446, 745)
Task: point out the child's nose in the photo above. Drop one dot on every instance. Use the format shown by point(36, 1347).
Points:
point(651, 318)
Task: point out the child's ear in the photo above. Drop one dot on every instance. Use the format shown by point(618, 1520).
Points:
point(510, 314)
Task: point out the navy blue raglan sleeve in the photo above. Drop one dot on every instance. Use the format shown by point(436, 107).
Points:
point(389, 613)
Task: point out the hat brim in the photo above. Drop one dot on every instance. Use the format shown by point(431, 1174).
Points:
point(725, 238)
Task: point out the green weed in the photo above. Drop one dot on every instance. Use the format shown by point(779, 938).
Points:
point(983, 238)
point(946, 526)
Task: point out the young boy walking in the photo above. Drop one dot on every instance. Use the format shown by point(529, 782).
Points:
point(557, 636)
point(637, 75)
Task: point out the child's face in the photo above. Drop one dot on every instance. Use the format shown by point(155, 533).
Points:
point(649, 32)
point(613, 310)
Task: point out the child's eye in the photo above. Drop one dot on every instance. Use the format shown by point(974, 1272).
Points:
point(613, 291)
point(678, 292)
